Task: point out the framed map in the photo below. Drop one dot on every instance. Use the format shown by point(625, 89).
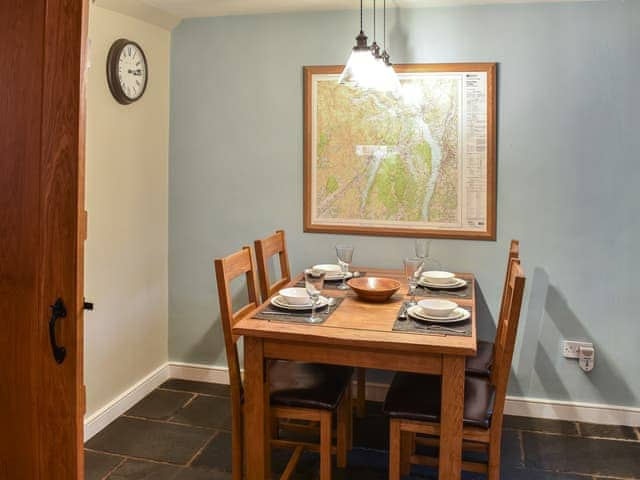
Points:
point(418, 164)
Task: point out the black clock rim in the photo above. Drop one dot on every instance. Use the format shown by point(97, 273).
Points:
point(112, 71)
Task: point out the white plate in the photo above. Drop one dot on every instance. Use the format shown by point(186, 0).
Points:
point(328, 268)
point(280, 302)
point(459, 315)
point(437, 286)
point(338, 276)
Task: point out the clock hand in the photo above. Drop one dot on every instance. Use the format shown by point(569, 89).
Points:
point(135, 72)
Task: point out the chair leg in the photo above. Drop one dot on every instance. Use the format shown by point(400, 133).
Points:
point(361, 399)
point(236, 445)
point(325, 445)
point(342, 432)
point(394, 449)
point(349, 420)
point(407, 446)
point(493, 472)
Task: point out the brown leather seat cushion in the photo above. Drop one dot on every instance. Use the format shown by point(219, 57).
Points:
point(481, 363)
point(417, 397)
point(308, 385)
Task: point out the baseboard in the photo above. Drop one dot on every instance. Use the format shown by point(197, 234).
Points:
point(199, 373)
point(123, 402)
point(523, 406)
point(528, 407)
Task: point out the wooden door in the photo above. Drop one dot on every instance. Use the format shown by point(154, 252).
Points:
point(42, 72)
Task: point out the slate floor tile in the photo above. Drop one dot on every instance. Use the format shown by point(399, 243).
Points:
point(137, 470)
point(149, 439)
point(200, 474)
point(528, 474)
point(97, 465)
point(216, 455)
point(607, 431)
point(197, 387)
point(540, 425)
point(160, 404)
point(581, 455)
point(203, 411)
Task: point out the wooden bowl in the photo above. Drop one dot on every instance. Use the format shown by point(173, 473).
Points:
point(374, 289)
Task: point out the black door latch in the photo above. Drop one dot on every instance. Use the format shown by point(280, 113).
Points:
point(58, 310)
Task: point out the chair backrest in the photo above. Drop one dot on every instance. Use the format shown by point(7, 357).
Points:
point(506, 341)
point(227, 269)
point(514, 252)
point(265, 249)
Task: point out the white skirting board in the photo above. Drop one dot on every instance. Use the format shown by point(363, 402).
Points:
point(123, 402)
point(530, 407)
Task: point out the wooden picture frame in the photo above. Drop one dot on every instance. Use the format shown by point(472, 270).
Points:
point(485, 226)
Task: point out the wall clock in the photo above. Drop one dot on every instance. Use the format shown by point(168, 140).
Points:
point(127, 71)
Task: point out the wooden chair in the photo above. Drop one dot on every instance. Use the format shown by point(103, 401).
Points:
point(481, 363)
point(276, 244)
point(413, 402)
point(266, 248)
point(298, 391)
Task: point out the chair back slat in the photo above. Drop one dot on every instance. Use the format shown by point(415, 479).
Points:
point(505, 343)
point(228, 269)
point(266, 248)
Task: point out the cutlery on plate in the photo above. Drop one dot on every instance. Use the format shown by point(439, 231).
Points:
point(284, 314)
point(444, 329)
point(403, 312)
point(446, 292)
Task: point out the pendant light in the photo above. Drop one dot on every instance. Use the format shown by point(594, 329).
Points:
point(361, 67)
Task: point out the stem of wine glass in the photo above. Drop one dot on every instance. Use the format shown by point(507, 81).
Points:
point(314, 301)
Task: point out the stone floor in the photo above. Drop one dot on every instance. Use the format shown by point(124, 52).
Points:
point(181, 432)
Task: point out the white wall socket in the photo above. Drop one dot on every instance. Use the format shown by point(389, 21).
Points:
point(571, 348)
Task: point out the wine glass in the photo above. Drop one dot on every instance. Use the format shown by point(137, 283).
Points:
point(314, 282)
point(345, 256)
point(422, 247)
point(412, 269)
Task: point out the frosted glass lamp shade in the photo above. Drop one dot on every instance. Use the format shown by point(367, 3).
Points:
point(361, 70)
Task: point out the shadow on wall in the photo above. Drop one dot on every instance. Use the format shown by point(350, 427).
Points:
point(549, 311)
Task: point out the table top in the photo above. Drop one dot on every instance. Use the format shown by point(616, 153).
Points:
point(356, 323)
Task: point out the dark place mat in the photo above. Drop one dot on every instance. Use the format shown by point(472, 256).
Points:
point(462, 292)
point(331, 284)
point(282, 315)
point(411, 325)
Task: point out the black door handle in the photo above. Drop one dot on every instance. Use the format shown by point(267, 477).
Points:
point(58, 310)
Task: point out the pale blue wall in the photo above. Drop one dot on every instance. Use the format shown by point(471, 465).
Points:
point(568, 170)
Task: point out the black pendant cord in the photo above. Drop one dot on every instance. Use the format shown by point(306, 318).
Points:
point(384, 24)
point(374, 21)
point(361, 21)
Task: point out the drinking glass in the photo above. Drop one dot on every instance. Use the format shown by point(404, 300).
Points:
point(314, 282)
point(345, 256)
point(422, 247)
point(412, 269)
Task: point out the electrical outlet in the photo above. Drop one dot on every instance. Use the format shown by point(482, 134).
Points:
point(571, 348)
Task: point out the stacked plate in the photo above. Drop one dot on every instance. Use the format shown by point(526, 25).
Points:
point(438, 311)
point(280, 302)
point(332, 272)
point(441, 280)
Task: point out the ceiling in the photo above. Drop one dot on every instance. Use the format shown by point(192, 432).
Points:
point(214, 8)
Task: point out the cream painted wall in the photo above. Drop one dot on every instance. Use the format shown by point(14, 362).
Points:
point(127, 196)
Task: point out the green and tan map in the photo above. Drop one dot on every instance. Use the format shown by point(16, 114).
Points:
point(384, 160)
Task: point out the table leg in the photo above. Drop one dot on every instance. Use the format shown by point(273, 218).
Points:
point(256, 411)
point(451, 416)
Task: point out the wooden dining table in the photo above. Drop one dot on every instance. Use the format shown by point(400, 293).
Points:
point(357, 334)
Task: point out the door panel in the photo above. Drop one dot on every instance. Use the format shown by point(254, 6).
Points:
point(41, 207)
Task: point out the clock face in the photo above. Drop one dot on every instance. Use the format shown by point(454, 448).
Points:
point(126, 71)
